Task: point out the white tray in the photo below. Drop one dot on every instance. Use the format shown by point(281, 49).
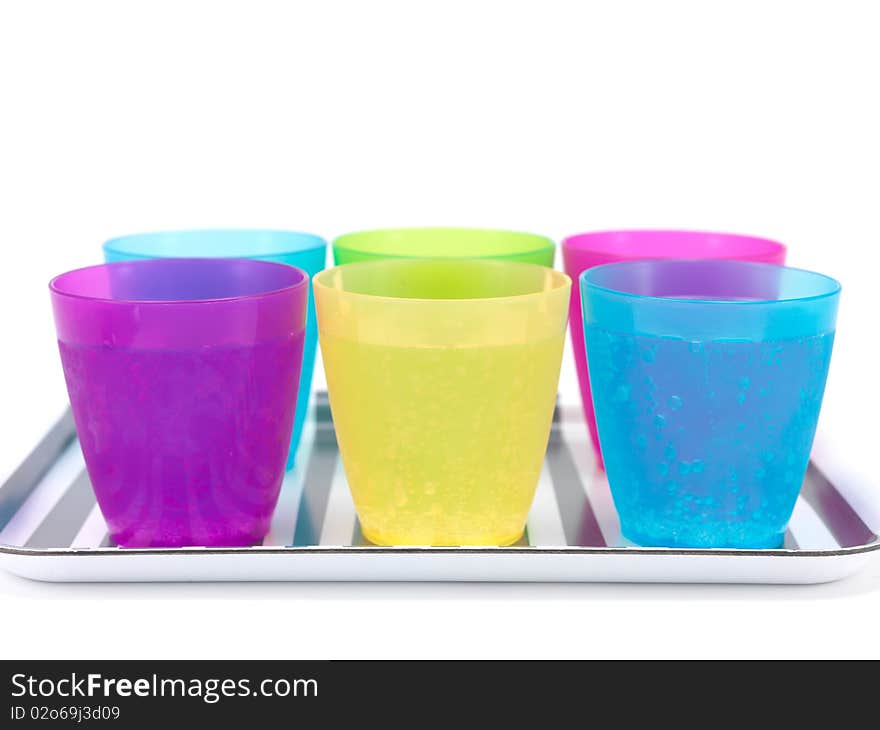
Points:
point(51, 529)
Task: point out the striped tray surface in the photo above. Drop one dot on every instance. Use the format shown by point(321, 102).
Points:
point(48, 502)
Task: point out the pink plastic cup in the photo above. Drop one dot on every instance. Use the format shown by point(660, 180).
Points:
point(586, 250)
point(182, 376)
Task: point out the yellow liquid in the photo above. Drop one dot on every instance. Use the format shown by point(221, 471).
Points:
point(442, 445)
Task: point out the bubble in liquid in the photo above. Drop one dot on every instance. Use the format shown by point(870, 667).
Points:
point(684, 468)
point(621, 395)
point(696, 347)
point(697, 466)
point(659, 420)
point(641, 441)
point(744, 382)
point(669, 452)
point(648, 355)
point(675, 403)
point(741, 398)
point(663, 468)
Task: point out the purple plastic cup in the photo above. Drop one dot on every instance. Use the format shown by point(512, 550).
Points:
point(182, 376)
point(586, 250)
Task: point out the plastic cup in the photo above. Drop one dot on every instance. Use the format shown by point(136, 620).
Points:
point(707, 381)
point(442, 377)
point(585, 250)
point(302, 250)
point(477, 243)
point(182, 376)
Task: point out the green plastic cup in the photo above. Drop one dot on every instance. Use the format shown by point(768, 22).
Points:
point(470, 243)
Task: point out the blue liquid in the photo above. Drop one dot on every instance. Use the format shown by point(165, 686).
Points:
point(706, 443)
point(303, 396)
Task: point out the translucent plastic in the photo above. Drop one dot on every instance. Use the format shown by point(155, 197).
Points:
point(442, 377)
point(586, 250)
point(475, 243)
point(182, 376)
point(707, 380)
point(302, 250)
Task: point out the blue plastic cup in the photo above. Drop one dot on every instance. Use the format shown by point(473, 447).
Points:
point(304, 250)
point(707, 379)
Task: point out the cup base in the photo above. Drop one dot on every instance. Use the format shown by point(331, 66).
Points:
point(400, 540)
point(667, 540)
point(230, 540)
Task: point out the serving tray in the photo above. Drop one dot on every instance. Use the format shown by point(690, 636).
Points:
point(51, 529)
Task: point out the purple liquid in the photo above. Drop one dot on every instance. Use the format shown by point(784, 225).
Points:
point(185, 447)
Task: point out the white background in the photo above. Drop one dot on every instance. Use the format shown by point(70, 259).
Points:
point(555, 117)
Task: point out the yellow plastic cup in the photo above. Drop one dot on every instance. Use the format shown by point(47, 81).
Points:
point(442, 377)
point(470, 243)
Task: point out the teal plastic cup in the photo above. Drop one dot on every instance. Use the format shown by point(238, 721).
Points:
point(303, 250)
point(707, 378)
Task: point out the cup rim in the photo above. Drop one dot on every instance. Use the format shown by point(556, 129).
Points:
point(833, 286)
point(343, 242)
point(55, 284)
point(587, 241)
point(308, 242)
point(560, 279)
